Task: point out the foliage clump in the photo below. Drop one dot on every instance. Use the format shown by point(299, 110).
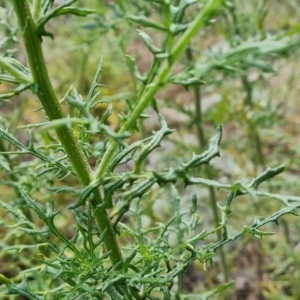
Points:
point(75, 225)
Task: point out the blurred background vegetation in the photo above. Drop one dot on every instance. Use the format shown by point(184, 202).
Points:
point(256, 100)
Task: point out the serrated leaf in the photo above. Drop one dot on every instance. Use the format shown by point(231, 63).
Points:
point(139, 189)
point(117, 159)
point(153, 143)
point(133, 69)
point(106, 114)
point(187, 82)
point(208, 182)
point(148, 42)
point(178, 28)
point(206, 156)
point(259, 64)
point(19, 289)
point(64, 189)
point(80, 12)
point(178, 11)
point(76, 101)
point(144, 21)
point(208, 295)
point(85, 193)
point(267, 174)
point(62, 9)
point(117, 136)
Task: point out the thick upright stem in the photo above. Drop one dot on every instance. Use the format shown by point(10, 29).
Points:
point(44, 91)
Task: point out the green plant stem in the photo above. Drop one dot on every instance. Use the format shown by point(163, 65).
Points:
point(252, 127)
point(202, 142)
point(150, 90)
point(253, 133)
point(255, 137)
point(48, 99)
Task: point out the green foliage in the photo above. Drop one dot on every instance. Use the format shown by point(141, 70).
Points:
point(98, 179)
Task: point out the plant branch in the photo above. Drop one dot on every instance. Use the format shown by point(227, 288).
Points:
point(202, 142)
point(44, 91)
point(150, 91)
